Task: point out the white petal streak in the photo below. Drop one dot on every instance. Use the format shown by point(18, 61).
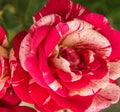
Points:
point(47, 20)
point(13, 62)
point(25, 49)
point(47, 100)
point(70, 9)
point(55, 85)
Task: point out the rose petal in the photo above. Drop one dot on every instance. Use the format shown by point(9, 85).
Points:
point(91, 39)
point(75, 103)
point(32, 66)
point(105, 97)
point(76, 85)
point(20, 84)
point(101, 71)
point(41, 28)
point(10, 98)
point(65, 8)
point(92, 87)
point(76, 25)
point(17, 41)
point(47, 75)
point(42, 98)
point(51, 41)
point(3, 38)
point(29, 60)
point(102, 25)
point(114, 69)
point(4, 75)
point(25, 49)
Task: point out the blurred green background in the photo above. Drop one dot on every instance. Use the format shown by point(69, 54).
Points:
point(16, 15)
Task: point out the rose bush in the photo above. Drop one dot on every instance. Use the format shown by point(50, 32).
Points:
point(68, 60)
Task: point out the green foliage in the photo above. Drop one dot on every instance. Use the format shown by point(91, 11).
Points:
point(16, 15)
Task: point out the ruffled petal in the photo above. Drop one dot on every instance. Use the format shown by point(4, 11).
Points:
point(102, 25)
point(108, 95)
point(65, 8)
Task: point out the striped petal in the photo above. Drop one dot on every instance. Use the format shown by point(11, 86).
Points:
point(65, 8)
point(19, 82)
point(47, 75)
point(102, 25)
point(108, 95)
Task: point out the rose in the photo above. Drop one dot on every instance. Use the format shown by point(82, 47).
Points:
point(4, 63)
point(68, 60)
point(8, 99)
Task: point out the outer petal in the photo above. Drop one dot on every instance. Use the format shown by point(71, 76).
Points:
point(31, 62)
point(114, 69)
point(43, 98)
point(10, 98)
point(102, 25)
point(75, 103)
point(17, 41)
point(20, 78)
point(108, 95)
point(65, 8)
point(20, 84)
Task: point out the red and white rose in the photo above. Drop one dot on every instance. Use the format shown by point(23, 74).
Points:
point(9, 101)
point(70, 59)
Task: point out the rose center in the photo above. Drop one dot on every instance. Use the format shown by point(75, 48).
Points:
point(78, 59)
